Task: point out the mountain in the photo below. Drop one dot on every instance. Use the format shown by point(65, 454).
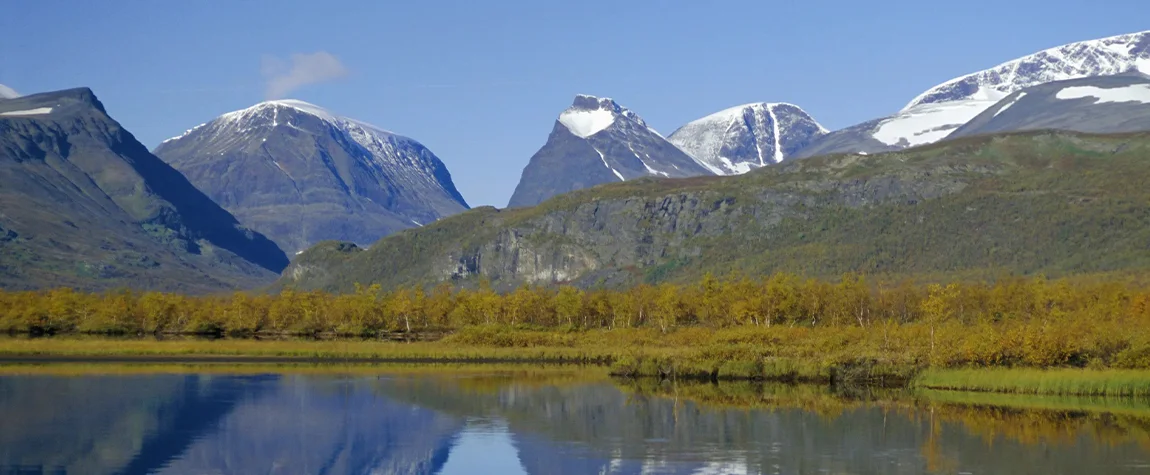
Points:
point(597, 141)
point(83, 204)
point(936, 113)
point(1101, 57)
point(1108, 104)
point(742, 138)
point(8, 93)
point(953, 208)
point(300, 174)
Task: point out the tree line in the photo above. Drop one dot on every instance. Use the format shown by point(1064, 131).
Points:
point(734, 301)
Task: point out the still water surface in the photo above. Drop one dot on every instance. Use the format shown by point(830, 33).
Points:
point(467, 423)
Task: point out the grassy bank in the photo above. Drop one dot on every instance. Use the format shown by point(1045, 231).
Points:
point(333, 351)
point(1058, 381)
point(892, 357)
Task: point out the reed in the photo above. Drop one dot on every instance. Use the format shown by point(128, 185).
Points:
point(1060, 381)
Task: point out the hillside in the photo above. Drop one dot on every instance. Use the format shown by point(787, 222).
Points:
point(1106, 104)
point(85, 205)
point(1054, 203)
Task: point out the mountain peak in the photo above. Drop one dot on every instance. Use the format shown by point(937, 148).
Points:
point(586, 101)
point(739, 139)
point(1098, 57)
point(304, 107)
point(302, 174)
point(589, 115)
point(597, 141)
point(47, 102)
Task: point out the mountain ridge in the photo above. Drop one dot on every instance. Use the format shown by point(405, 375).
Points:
point(944, 209)
point(940, 110)
point(1103, 104)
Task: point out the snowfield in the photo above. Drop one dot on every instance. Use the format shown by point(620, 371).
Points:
point(1133, 93)
point(37, 111)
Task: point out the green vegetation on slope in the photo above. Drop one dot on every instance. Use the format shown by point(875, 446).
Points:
point(1042, 202)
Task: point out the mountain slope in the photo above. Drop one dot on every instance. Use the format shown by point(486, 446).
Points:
point(1110, 104)
point(954, 207)
point(597, 141)
point(742, 138)
point(300, 174)
point(83, 204)
point(939, 111)
point(8, 93)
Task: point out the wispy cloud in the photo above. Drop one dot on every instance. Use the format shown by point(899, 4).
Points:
point(301, 69)
point(7, 92)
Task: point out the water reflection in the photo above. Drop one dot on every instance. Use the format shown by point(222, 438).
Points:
point(461, 424)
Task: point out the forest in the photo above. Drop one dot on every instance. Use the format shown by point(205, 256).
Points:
point(1012, 321)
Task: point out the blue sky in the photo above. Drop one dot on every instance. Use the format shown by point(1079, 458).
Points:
point(481, 83)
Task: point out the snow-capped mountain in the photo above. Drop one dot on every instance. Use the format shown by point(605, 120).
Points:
point(1101, 57)
point(8, 93)
point(301, 174)
point(1108, 104)
point(742, 138)
point(936, 113)
point(598, 141)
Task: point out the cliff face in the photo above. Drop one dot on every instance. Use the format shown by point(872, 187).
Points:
point(1020, 203)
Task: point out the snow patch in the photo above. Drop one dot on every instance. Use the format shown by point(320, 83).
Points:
point(650, 171)
point(585, 123)
point(36, 111)
point(1132, 93)
point(604, 159)
point(185, 134)
point(928, 123)
point(778, 140)
point(706, 138)
point(1011, 103)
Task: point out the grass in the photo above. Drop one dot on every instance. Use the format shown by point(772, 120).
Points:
point(1127, 406)
point(330, 350)
point(845, 358)
point(1078, 382)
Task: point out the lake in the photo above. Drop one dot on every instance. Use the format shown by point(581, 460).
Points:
point(117, 419)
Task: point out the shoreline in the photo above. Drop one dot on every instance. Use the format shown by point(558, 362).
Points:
point(256, 359)
point(680, 357)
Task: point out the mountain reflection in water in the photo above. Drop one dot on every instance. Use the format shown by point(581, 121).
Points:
point(444, 423)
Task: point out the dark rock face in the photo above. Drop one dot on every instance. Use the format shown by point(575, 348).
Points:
point(1113, 104)
point(301, 175)
point(596, 141)
point(945, 208)
point(88, 206)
